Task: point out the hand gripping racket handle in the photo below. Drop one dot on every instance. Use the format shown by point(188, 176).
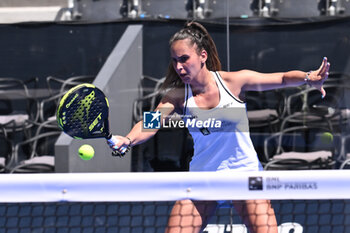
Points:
point(116, 152)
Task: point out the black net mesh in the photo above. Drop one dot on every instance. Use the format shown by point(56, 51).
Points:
point(297, 216)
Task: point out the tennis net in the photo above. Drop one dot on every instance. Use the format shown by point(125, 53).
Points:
point(304, 201)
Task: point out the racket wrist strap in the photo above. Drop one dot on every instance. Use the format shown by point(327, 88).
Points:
point(130, 142)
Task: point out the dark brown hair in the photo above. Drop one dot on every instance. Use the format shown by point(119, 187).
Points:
point(199, 36)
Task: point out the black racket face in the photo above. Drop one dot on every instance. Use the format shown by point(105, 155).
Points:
point(83, 112)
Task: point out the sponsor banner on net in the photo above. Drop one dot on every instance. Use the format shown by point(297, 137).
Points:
point(256, 183)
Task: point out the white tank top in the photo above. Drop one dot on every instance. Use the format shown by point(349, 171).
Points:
point(221, 134)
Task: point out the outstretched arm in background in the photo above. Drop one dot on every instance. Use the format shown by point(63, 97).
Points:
point(247, 80)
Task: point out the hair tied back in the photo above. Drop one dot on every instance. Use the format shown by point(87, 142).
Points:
point(194, 26)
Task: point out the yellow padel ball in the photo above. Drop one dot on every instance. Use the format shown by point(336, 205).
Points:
point(327, 138)
point(86, 152)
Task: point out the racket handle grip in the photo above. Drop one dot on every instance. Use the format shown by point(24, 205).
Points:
point(116, 153)
point(113, 141)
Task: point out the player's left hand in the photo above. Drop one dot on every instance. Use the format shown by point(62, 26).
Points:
point(318, 77)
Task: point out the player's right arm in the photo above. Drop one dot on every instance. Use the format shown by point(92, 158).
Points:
point(138, 134)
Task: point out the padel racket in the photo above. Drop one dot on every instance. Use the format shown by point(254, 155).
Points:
point(83, 113)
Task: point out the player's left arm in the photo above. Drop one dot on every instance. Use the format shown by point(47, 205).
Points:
point(255, 81)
